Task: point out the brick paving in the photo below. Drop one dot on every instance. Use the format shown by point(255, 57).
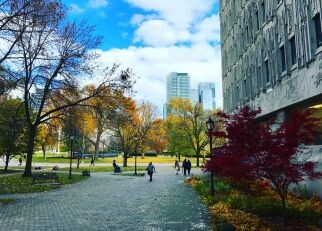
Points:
point(110, 202)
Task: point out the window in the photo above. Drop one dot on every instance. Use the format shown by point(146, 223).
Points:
point(293, 50)
point(282, 55)
point(263, 12)
point(266, 71)
point(257, 21)
point(318, 32)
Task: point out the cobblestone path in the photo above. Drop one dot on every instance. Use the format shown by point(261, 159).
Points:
point(110, 202)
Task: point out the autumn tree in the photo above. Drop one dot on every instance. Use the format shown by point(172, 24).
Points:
point(255, 152)
point(12, 129)
point(123, 128)
point(53, 55)
point(145, 116)
point(157, 136)
point(189, 121)
point(101, 109)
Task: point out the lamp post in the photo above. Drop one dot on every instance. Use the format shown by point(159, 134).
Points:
point(210, 126)
point(136, 143)
point(71, 155)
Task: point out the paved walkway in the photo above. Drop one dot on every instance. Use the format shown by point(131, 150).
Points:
point(110, 202)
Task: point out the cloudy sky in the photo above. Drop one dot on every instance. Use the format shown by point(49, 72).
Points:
point(155, 37)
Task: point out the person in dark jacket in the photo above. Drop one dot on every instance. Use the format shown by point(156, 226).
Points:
point(188, 166)
point(150, 170)
point(184, 166)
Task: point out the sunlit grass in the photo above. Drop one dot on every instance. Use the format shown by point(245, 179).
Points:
point(17, 184)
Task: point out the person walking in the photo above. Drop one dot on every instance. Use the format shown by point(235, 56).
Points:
point(177, 166)
point(92, 162)
point(188, 166)
point(184, 166)
point(151, 170)
point(20, 161)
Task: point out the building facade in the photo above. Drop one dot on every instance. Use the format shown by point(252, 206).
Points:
point(271, 54)
point(178, 86)
point(207, 95)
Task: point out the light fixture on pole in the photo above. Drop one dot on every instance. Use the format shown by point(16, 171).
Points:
point(136, 144)
point(210, 126)
point(71, 155)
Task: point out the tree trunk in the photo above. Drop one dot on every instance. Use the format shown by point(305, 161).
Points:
point(97, 144)
point(125, 160)
point(198, 156)
point(43, 147)
point(283, 198)
point(30, 151)
point(7, 161)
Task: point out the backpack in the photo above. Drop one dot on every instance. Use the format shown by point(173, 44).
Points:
point(150, 169)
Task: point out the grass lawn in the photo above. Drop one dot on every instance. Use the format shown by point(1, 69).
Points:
point(16, 184)
point(252, 207)
point(64, 158)
point(102, 169)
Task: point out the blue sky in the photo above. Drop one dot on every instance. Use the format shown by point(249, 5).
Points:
point(155, 37)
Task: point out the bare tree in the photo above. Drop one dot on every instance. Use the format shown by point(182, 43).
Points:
point(52, 56)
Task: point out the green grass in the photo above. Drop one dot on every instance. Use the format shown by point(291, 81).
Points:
point(101, 169)
point(16, 184)
point(6, 201)
point(11, 170)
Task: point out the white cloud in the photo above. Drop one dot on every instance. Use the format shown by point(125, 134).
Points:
point(160, 33)
point(179, 12)
point(208, 30)
point(75, 9)
point(152, 64)
point(97, 3)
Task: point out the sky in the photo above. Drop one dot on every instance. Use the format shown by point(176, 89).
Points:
point(156, 37)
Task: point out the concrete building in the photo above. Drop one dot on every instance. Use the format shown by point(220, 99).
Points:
point(207, 95)
point(272, 56)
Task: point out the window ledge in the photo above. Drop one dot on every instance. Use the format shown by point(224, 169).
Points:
point(318, 50)
point(293, 67)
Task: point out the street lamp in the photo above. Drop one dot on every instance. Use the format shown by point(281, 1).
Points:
point(71, 155)
point(210, 126)
point(136, 143)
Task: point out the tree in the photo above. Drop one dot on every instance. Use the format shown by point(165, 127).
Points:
point(100, 109)
point(255, 152)
point(143, 125)
point(52, 56)
point(123, 128)
point(157, 136)
point(12, 129)
point(47, 136)
point(190, 121)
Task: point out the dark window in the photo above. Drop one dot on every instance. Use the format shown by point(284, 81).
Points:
point(257, 21)
point(259, 77)
point(263, 12)
point(318, 32)
point(293, 50)
point(246, 34)
point(266, 71)
point(282, 52)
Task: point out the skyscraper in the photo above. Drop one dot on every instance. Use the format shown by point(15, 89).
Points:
point(207, 95)
point(178, 86)
point(194, 96)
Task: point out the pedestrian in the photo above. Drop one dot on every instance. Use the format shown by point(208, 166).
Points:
point(117, 169)
point(150, 170)
point(184, 166)
point(20, 161)
point(177, 166)
point(188, 166)
point(92, 162)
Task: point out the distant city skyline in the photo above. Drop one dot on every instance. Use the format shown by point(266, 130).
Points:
point(156, 37)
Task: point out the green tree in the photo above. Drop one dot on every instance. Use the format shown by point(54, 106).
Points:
point(188, 125)
point(12, 129)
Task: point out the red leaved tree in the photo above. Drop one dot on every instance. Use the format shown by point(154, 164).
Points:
point(255, 152)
